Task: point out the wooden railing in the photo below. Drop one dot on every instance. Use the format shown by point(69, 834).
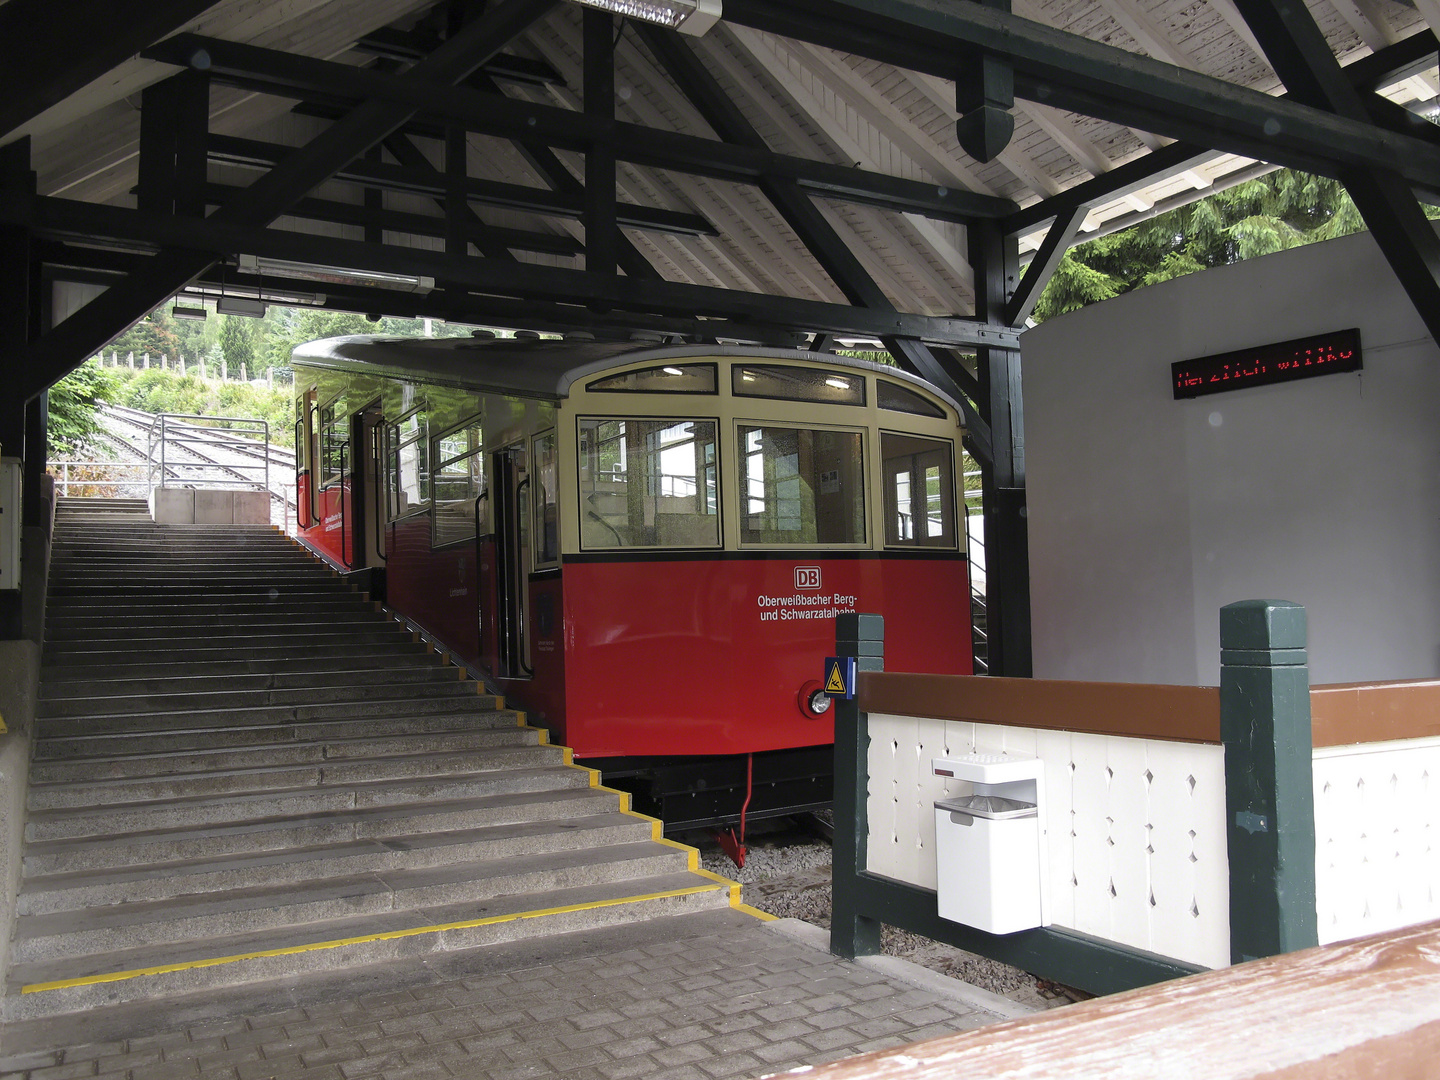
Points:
point(1178, 713)
point(1349, 713)
point(1367, 1008)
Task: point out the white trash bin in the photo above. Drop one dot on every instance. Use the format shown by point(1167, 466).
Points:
point(990, 866)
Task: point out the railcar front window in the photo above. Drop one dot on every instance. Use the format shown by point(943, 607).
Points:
point(409, 470)
point(802, 486)
point(919, 491)
point(822, 385)
point(648, 483)
point(897, 398)
point(667, 379)
point(459, 480)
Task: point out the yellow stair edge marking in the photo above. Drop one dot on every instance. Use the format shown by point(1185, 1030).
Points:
point(366, 939)
point(657, 833)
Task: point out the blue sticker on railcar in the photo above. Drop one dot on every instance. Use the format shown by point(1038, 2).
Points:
point(840, 676)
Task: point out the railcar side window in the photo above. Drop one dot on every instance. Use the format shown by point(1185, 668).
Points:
point(334, 437)
point(547, 523)
point(459, 480)
point(669, 379)
point(826, 386)
point(648, 483)
point(919, 491)
point(409, 465)
point(801, 486)
point(897, 398)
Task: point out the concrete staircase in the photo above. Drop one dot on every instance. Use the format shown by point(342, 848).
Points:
point(244, 771)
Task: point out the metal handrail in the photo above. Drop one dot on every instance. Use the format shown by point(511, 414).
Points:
point(344, 451)
point(169, 429)
point(299, 457)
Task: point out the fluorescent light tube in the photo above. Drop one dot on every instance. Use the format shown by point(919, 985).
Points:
point(335, 275)
point(693, 17)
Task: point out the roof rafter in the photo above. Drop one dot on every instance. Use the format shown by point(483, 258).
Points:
point(53, 354)
point(296, 76)
point(1100, 80)
point(41, 65)
point(65, 219)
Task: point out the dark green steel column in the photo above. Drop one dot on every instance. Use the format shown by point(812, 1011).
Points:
point(1269, 792)
point(851, 933)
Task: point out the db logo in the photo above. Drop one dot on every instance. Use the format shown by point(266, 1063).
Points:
point(807, 577)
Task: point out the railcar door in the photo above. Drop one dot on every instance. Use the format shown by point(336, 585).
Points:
point(510, 484)
point(367, 536)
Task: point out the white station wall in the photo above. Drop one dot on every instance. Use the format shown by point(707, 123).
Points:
point(1147, 514)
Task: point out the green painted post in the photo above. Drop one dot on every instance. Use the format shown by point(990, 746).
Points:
point(1269, 792)
point(853, 934)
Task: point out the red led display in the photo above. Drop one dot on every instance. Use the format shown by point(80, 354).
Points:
point(1262, 365)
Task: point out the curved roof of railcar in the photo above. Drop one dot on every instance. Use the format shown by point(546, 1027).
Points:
point(537, 367)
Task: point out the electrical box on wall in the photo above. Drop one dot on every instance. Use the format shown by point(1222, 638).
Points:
point(10, 474)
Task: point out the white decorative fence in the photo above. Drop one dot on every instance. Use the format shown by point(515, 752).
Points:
point(1134, 807)
point(1377, 823)
point(1135, 828)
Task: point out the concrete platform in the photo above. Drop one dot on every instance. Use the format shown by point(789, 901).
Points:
point(711, 995)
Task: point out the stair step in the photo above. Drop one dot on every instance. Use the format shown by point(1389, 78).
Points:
point(296, 638)
point(50, 902)
point(160, 627)
point(197, 810)
point(119, 723)
point(244, 770)
point(122, 849)
point(82, 663)
point(271, 907)
point(352, 942)
point(316, 752)
point(136, 743)
point(340, 674)
point(224, 695)
point(342, 772)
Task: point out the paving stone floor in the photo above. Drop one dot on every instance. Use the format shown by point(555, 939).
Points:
point(696, 998)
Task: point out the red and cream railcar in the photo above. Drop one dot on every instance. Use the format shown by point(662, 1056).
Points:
point(644, 546)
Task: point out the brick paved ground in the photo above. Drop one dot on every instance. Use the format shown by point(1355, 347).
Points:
point(707, 997)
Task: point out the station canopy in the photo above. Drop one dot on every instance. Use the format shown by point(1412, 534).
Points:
point(790, 172)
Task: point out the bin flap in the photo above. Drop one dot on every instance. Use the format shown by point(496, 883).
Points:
point(987, 806)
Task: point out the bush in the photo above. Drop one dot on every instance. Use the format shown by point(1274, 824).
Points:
point(160, 391)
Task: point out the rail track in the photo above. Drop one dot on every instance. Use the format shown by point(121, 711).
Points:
point(204, 452)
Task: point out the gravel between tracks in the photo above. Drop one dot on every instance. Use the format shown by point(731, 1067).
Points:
point(787, 873)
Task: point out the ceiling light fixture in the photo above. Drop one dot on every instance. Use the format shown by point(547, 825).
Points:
point(181, 312)
point(335, 275)
point(240, 305)
point(693, 17)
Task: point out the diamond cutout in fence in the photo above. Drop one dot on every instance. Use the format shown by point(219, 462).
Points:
point(1112, 888)
point(1191, 781)
point(1149, 778)
point(1194, 910)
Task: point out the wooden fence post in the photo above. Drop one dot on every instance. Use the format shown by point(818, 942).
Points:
point(1269, 790)
point(851, 933)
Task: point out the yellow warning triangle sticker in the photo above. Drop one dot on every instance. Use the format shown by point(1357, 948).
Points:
point(835, 681)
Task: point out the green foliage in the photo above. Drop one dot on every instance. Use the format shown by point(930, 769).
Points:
point(154, 335)
point(72, 403)
point(237, 343)
point(166, 391)
point(1280, 210)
